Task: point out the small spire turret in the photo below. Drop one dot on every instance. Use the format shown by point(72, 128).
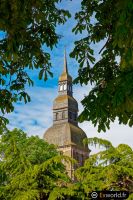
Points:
point(65, 80)
point(65, 75)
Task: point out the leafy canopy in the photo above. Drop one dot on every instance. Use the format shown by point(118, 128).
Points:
point(26, 28)
point(30, 168)
point(110, 169)
point(109, 24)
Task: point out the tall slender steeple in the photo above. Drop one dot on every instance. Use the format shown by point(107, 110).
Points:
point(65, 80)
point(65, 62)
point(65, 132)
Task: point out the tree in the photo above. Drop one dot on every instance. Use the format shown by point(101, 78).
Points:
point(26, 29)
point(30, 168)
point(107, 170)
point(106, 23)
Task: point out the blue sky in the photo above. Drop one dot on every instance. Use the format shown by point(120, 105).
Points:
point(36, 116)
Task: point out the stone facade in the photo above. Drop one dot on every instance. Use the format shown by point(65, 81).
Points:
point(65, 132)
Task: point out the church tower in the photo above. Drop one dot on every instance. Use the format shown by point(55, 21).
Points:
point(65, 132)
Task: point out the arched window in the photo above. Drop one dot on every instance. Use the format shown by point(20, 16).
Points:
point(65, 86)
point(57, 116)
point(70, 115)
point(61, 87)
point(70, 88)
point(63, 114)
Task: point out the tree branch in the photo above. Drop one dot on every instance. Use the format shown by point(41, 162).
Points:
point(105, 45)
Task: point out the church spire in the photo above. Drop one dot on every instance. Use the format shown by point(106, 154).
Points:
point(65, 75)
point(65, 80)
point(65, 62)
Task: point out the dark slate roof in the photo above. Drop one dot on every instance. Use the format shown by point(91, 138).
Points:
point(66, 134)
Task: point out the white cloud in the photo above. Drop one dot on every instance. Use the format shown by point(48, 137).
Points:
point(36, 116)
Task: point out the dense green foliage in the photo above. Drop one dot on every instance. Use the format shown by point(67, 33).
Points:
point(110, 169)
point(26, 26)
point(29, 167)
point(107, 24)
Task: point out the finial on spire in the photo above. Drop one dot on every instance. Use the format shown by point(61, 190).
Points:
point(65, 62)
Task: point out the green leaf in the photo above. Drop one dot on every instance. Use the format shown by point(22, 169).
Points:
point(41, 74)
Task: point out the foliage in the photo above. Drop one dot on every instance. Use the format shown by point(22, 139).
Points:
point(29, 167)
point(108, 24)
point(32, 169)
point(110, 169)
point(25, 26)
